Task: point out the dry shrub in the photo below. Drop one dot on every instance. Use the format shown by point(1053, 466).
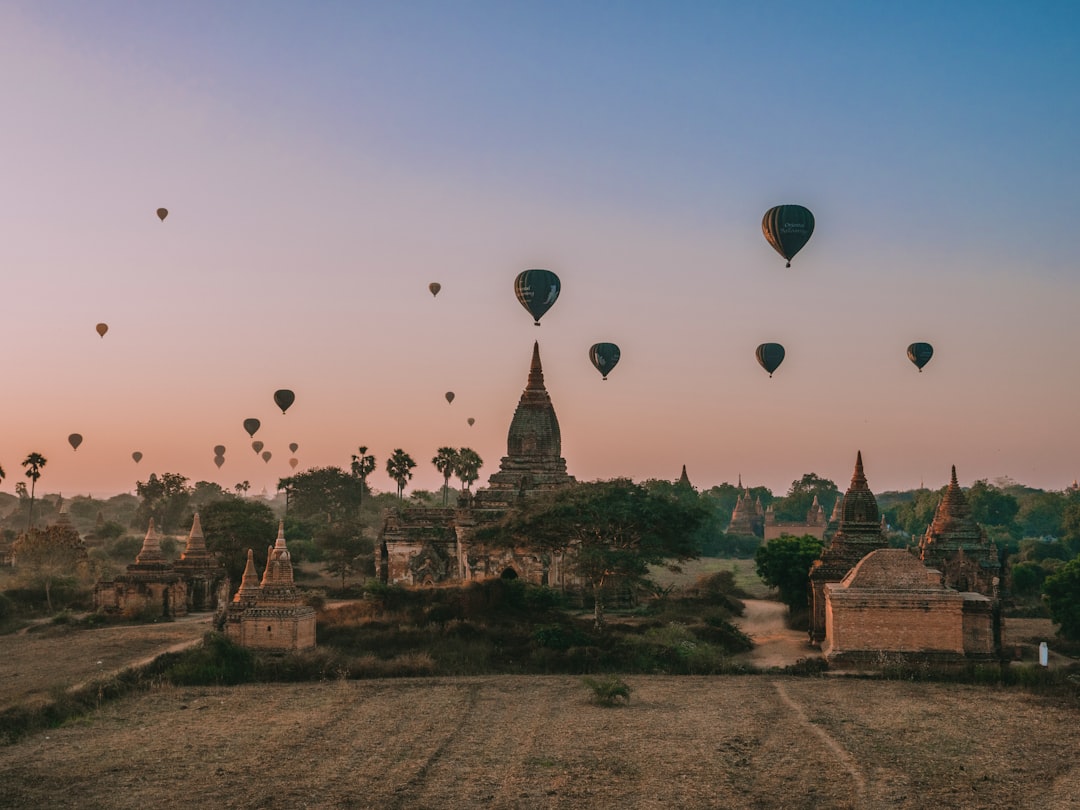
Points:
point(608, 690)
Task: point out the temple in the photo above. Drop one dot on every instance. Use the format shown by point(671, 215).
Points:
point(270, 614)
point(150, 586)
point(858, 532)
point(418, 546)
point(747, 518)
point(815, 524)
point(205, 576)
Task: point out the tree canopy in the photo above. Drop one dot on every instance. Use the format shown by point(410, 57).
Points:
point(784, 564)
point(234, 525)
point(166, 499)
point(610, 531)
point(1062, 592)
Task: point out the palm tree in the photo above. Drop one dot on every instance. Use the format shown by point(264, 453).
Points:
point(3, 475)
point(446, 461)
point(399, 467)
point(363, 466)
point(33, 463)
point(468, 467)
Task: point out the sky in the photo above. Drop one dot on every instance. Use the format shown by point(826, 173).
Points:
point(323, 162)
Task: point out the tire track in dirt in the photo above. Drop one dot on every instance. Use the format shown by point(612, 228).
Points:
point(842, 754)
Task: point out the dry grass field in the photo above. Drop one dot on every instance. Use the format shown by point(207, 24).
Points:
point(524, 742)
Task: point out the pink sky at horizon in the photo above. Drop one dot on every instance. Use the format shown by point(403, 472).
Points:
point(315, 190)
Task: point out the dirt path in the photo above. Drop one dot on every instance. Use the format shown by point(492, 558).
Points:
point(774, 644)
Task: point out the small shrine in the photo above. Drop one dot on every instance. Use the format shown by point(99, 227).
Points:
point(150, 586)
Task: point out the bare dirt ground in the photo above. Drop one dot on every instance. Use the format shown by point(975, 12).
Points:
point(774, 644)
point(536, 742)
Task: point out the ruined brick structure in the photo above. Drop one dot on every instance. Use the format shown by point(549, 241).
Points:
point(151, 585)
point(891, 608)
point(857, 534)
point(430, 546)
point(814, 526)
point(270, 614)
point(958, 547)
point(747, 518)
point(205, 577)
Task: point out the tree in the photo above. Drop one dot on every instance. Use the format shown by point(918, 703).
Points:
point(33, 463)
point(784, 564)
point(344, 547)
point(3, 475)
point(242, 488)
point(48, 556)
point(165, 499)
point(467, 468)
point(1062, 593)
point(234, 525)
point(794, 506)
point(609, 531)
point(205, 492)
point(399, 467)
point(1041, 514)
point(446, 462)
point(362, 466)
point(323, 495)
point(991, 506)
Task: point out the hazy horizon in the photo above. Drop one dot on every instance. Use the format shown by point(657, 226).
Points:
point(322, 165)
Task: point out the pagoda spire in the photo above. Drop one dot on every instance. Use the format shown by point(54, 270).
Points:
point(858, 478)
point(151, 547)
point(536, 371)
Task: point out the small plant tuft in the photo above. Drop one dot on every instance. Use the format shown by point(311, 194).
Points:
point(609, 690)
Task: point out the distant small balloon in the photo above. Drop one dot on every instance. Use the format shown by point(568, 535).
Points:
point(293, 447)
point(137, 456)
point(219, 460)
point(920, 354)
point(251, 426)
point(293, 462)
point(770, 356)
point(162, 213)
point(219, 450)
point(284, 398)
point(75, 440)
point(471, 421)
point(266, 456)
point(102, 328)
point(257, 446)
point(434, 287)
point(449, 396)
point(604, 356)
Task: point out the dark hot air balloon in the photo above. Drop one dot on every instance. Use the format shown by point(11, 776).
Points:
point(434, 287)
point(102, 328)
point(257, 446)
point(920, 354)
point(788, 228)
point(604, 356)
point(293, 462)
point(537, 290)
point(162, 213)
point(75, 440)
point(251, 425)
point(471, 421)
point(219, 449)
point(137, 456)
point(219, 460)
point(266, 456)
point(293, 447)
point(770, 356)
point(449, 396)
point(283, 397)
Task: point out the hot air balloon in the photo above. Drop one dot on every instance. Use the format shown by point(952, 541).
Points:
point(471, 421)
point(219, 450)
point(162, 213)
point(788, 228)
point(219, 460)
point(102, 328)
point(251, 425)
point(75, 440)
point(920, 354)
point(257, 446)
point(537, 290)
point(283, 397)
point(137, 456)
point(434, 287)
point(293, 462)
point(770, 356)
point(293, 447)
point(604, 356)
point(266, 456)
point(449, 396)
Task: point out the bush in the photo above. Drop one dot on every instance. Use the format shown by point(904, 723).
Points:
point(608, 690)
point(215, 662)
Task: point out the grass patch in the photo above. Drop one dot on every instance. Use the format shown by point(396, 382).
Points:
point(608, 691)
